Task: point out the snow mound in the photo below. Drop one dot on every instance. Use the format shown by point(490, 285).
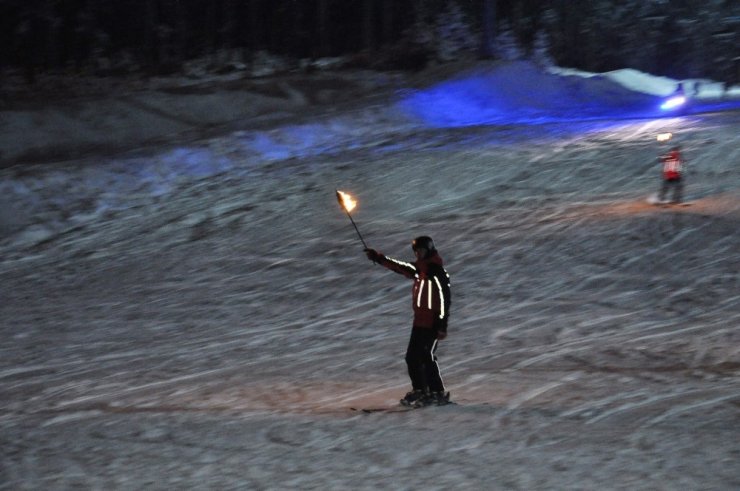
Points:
point(522, 93)
point(698, 89)
point(628, 78)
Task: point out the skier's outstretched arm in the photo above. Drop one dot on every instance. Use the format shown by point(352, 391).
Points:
point(400, 267)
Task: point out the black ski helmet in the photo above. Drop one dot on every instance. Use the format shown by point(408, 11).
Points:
point(423, 242)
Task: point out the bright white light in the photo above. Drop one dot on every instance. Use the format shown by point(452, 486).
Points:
point(664, 137)
point(348, 202)
point(673, 102)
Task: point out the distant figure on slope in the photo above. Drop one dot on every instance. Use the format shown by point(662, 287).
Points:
point(679, 92)
point(673, 164)
point(431, 305)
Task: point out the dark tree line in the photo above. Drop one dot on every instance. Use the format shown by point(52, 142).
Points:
point(679, 38)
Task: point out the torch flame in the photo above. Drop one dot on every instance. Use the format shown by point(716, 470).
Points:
point(346, 200)
point(664, 137)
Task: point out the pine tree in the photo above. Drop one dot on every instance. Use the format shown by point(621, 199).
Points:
point(507, 46)
point(541, 50)
point(456, 37)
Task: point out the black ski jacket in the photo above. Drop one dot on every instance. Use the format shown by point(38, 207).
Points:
point(430, 293)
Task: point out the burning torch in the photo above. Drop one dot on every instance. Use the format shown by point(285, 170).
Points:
point(347, 202)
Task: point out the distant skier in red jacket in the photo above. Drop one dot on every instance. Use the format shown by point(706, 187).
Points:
point(431, 305)
point(673, 170)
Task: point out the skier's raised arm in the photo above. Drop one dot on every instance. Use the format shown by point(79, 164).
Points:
point(400, 267)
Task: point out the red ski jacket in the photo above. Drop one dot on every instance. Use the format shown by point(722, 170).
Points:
point(430, 294)
point(672, 165)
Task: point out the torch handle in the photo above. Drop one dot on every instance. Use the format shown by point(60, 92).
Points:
point(356, 230)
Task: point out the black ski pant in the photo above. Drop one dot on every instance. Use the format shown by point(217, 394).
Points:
point(421, 360)
point(676, 184)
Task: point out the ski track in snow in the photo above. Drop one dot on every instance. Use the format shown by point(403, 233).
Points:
point(216, 336)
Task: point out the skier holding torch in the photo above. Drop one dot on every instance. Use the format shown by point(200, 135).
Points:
point(431, 305)
point(673, 165)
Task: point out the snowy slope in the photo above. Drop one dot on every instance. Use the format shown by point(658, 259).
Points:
point(201, 316)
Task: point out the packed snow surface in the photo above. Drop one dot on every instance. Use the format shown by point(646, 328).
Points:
point(198, 313)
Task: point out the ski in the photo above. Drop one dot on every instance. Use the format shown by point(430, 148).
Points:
point(385, 409)
point(653, 200)
point(672, 205)
point(397, 409)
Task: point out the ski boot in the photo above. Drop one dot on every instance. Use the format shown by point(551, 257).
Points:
point(440, 398)
point(412, 398)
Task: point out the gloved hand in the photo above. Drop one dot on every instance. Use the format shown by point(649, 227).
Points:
point(373, 255)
